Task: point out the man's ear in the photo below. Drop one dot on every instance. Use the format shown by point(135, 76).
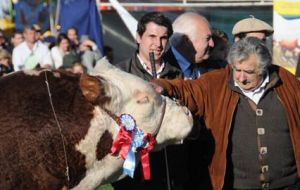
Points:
point(90, 87)
point(138, 38)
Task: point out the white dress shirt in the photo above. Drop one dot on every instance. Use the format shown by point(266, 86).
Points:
point(256, 94)
point(22, 52)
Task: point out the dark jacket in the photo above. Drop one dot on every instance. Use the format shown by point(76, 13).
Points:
point(210, 97)
point(134, 66)
point(204, 66)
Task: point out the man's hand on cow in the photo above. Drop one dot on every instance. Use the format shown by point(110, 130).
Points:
point(157, 88)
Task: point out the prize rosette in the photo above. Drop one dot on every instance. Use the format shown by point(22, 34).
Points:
point(128, 122)
point(129, 141)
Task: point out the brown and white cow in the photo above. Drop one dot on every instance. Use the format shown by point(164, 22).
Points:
point(38, 109)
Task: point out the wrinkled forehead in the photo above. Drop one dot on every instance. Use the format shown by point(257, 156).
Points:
point(246, 62)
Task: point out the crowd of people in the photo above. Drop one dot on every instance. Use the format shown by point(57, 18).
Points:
point(246, 109)
point(32, 49)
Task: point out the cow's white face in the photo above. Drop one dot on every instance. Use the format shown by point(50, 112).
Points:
point(132, 95)
point(112, 90)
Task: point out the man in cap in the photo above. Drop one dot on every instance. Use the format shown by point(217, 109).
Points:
point(251, 27)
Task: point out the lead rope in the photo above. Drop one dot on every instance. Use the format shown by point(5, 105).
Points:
point(60, 131)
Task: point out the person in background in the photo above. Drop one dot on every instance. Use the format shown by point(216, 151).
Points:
point(78, 68)
point(247, 106)
point(17, 38)
point(153, 32)
point(218, 55)
point(89, 52)
point(190, 44)
point(251, 27)
point(73, 36)
point(5, 62)
point(38, 31)
point(60, 50)
point(31, 53)
point(4, 44)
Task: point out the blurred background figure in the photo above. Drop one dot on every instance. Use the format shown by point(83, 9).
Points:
point(219, 52)
point(252, 27)
point(17, 38)
point(60, 50)
point(78, 69)
point(5, 62)
point(73, 36)
point(3, 41)
point(31, 53)
point(49, 39)
point(89, 52)
point(39, 31)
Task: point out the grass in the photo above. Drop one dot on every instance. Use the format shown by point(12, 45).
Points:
point(105, 187)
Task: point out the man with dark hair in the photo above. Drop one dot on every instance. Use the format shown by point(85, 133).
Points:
point(153, 32)
point(31, 53)
point(73, 36)
point(17, 38)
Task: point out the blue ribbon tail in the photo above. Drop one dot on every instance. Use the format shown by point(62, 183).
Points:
point(129, 164)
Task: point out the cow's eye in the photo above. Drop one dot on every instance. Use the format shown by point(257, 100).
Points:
point(143, 100)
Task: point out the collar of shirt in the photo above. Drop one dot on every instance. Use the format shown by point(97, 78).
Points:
point(185, 66)
point(256, 94)
point(158, 72)
point(35, 46)
point(183, 63)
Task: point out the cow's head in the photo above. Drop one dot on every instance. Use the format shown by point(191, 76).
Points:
point(120, 92)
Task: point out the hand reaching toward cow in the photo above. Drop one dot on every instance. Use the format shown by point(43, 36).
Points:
point(159, 89)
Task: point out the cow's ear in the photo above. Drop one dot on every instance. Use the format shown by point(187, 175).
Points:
point(90, 87)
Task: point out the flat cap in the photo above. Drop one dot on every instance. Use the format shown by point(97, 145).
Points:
point(252, 25)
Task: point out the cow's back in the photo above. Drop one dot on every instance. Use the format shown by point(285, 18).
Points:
point(32, 155)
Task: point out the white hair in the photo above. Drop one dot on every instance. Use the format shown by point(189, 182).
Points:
point(187, 24)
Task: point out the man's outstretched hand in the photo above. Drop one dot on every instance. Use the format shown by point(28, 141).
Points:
point(157, 88)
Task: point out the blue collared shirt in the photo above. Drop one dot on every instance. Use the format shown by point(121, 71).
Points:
point(184, 65)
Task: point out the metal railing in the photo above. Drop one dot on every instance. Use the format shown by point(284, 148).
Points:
point(188, 3)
